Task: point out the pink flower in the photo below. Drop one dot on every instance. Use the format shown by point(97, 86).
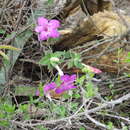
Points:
point(37, 92)
point(47, 29)
point(93, 69)
point(67, 83)
point(49, 87)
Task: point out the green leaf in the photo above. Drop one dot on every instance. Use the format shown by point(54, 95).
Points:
point(59, 110)
point(74, 106)
point(4, 123)
point(2, 31)
point(75, 59)
point(46, 60)
point(4, 55)
point(125, 128)
point(66, 96)
point(62, 111)
point(128, 58)
point(41, 89)
point(82, 128)
point(9, 108)
point(70, 64)
point(50, 1)
point(9, 47)
point(19, 42)
point(25, 91)
point(10, 35)
point(81, 80)
point(76, 95)
point(110, 126)
point(23, 108)
point(90, 90)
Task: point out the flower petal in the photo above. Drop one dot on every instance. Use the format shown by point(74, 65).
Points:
point(43, 36)
point(37, 92)
point(65, 77)
point(39, 29)
point(54, 23)
point(49, 86)
point(73, 77)
point(62, 89)
point(93, 69)
point(42, 21)
point(53, 33)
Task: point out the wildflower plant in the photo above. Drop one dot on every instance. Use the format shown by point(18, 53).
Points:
point(49, 29)
point(63, 86)
point(70, 95)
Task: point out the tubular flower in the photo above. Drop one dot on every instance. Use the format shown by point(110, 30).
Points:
point(93, 69)
point(67, 83)
point(47, 29)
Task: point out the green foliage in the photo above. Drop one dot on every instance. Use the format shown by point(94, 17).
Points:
point(90, 90)
point(128, 58)
point(110, 126)
point(2, 31)
point(85, 80)
point(46, 60)
point(75, 59)
point(7, 112)
point(82, 128)
point(52, 59)
point(74, 106)
point(81, 80)
point(40, 87)
point(19, 42)
point(126, 75)
point(66, 96)
point(89, 74)
point(7, 47)
point(50, 1)
point(125, 128)
point(59, 110)
point(25, 90)
point(76, 95)
point(23, 110)
point(4, 123)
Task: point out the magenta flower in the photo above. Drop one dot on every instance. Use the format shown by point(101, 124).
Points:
point(47, 29)
point(93, 69)
point(37, 92)
point(49, 87)
point(67, 83)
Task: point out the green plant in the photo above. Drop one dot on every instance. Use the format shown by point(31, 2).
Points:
point(128, 58)
point(7, 113)
point(52, 59)
point(110, 126)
